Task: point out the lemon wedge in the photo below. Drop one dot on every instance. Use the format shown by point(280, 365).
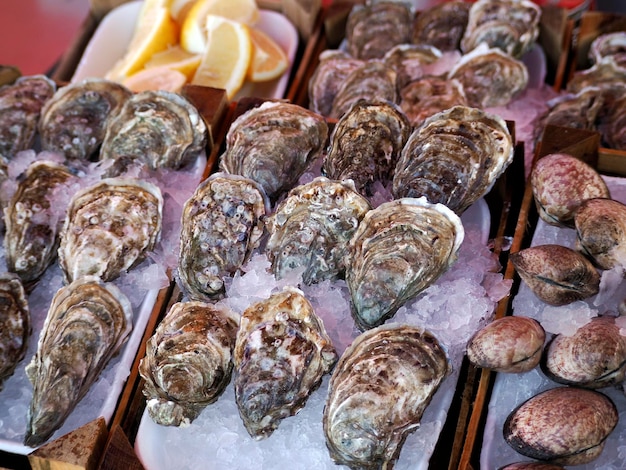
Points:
point(176, 58)
point(269, 61)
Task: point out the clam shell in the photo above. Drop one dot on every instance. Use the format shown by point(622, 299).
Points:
point(563, 425)
point(16, 324)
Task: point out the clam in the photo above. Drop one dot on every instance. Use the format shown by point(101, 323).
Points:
point(378, 392)
point(441, 25)
point(510, 344)
point(16, 324)
point(563, 425)
point(560, 182)
point(556, 274)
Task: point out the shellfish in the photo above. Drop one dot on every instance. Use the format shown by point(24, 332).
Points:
point(609, 45)
point(423, 97)
point(442, 25)
point(16, 324)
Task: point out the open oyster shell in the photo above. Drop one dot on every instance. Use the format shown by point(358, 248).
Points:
point(398, 250)
point(274, 144)
point(87, 323)
point(188, 361)
point(74, 120)
point(110, 226)
point(221, 225)
point(281, 353)
point(442, 25)
point(16, 324)
point(311, 228)
point(378, 392)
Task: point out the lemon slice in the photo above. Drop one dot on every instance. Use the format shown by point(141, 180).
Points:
point(156, 78)
point(176, 58)
point(179, 10)
point(227, 56)
point(269, 61)
point(155, 32)
point(193, 34)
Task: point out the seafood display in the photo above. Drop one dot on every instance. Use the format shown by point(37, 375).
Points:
point(16, 324)
point(378, 392)
point(188, 361)
point(87, 323)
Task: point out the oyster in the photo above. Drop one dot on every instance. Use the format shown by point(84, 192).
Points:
point(222, 223)
point(611, 121)
point(87, 323)
point(510, 25)
point(510, 344)
point(365, 144)
point(442, 25)
point(531, 466)
point(579, 110)
point(159, 129)
point(601, 75)
point(378, 392)
point(601, 232)
point(556, 274)
point(375, 27)
point(110, 226)
point(409, 61)
point(454, 157)
point(490, 77)
point(188, 361)
point(20, 108)
point(311, 228)
point(560, 182)
point(593, 357)
point(15, 321)
point(34, 218)
point(274, 144)
point(398, 250)
point(74, 120)
point(609, 45)
point(563, 425)
point(430, 95)
point(281, 353)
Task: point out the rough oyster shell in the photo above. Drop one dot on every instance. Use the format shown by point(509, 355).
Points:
point(87, 323)
point(609, 45)
point(110, 226)
point(20, 108)
point(563, 425)
point(601, 75)
point(490, 77)
point(510, 344)
point(408, 60)
point(311, 228)
point(33, 220)
point(579, 110)
point(221, 224)
point(454, 157)
point(188, 361)
point(274, 144)
point(510, 25)
point(378, 392)
point(281, 353)
point(423, 97)
point(159, 129)
point(15, 321)
point(611, 121)
point(601, 232)
point(556, 274)
point(399, 249)
point(442, 25)
point(593, 357)
point(365, 144)
point(74, 120)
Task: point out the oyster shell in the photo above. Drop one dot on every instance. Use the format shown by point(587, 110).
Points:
point(409, 61)
point(442, 25)
point(365, 144)
point(159, 129)
point(601, 75)
point(430, 95)
point(510, 25)
point(556, 274)
point(601, 232)
point(593, 357)
point(34, 219)
point(510, 344)
point(490, 77)
point(311, 228)
point(609, 45)
point(281, 353)
point(274, 144)
point(611, 121)
point(454, 157)
point(563, 425)
point(398, 250)
point(222, 223)
point(378, 392)
point(531, 466)
point(110, 226)
point(579, 110)
point(188, 361)
point(560, 182)
point(15, 321)
point(74, 120)
point(87, 323)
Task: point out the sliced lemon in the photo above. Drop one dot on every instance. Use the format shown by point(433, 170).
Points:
point(176, 58)
point(193, 34)
point(156, 78)
point(227, 56)
point(179, 10)
point(155, 32)
point(269, 61)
